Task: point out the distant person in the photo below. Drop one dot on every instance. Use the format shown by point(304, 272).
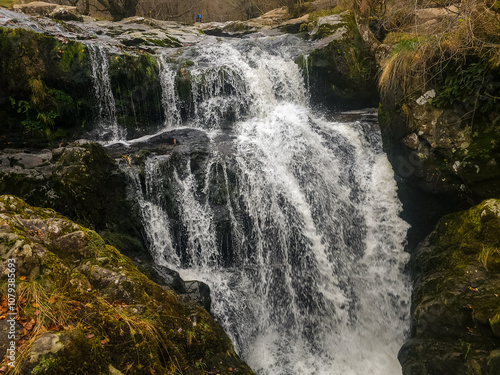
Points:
point(198, 18)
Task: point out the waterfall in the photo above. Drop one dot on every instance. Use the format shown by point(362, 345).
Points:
point(170, 98)
point(227, 84)
point(306, 69)
point(291, 219)
point(106, 117)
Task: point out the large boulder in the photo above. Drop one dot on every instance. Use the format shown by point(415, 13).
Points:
point(85, 308)
point(455, 301)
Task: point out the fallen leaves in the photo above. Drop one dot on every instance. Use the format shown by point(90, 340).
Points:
point(55, 327)
point(28, 325)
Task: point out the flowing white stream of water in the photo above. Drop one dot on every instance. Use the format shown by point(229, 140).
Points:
point(106, 120)
point(312, 282)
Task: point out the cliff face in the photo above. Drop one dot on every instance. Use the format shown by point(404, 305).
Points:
point(341, 70)
point(439, 118)
point(83, 307)
point(443, 149)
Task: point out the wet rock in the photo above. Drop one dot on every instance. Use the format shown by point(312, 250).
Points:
point(200, 293)
point(439, 150)
point(164, 276)
point(81, 181)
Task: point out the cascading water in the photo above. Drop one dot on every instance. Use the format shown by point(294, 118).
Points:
point(107, 125)
point(170, 99)
point(291, 219)
point(306, 68)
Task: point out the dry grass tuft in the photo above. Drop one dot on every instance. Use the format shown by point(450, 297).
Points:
point(471, 29)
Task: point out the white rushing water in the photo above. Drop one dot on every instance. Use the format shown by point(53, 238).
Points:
point(170, 99)
point(307, 276)
point(106, 118)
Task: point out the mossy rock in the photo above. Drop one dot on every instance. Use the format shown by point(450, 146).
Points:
point(83, 183)
point(137, 91)
point(342, 72)
point(46, 86)
point(455, 299)
point(93, 311)
point(447, 135)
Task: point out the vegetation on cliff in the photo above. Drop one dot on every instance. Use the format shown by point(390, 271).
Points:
point(46, 84)
point(341, 71)
point(440, 99)
point(47, 92)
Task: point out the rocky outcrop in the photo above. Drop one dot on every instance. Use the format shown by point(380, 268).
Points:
point(82, 305)
point(46, 87)
point(439, 122)
point(47, 84)
point(59, 12)
point(455, 299)
point(81, 181)
point(341, 69)
point(183, 152)
point(442, 150)
point(85, 184)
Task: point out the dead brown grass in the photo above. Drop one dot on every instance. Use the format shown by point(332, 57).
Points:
point(472, 29)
